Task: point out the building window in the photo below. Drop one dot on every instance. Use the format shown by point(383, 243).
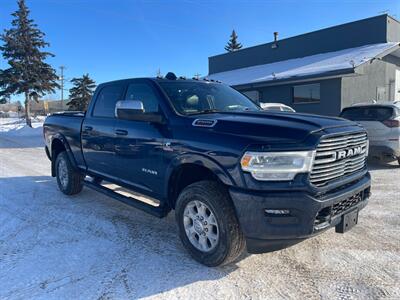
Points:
point(253, 95)
point(306, 93)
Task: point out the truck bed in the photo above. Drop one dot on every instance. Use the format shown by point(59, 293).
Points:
point(68, 125)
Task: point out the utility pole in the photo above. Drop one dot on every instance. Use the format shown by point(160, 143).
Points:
point(159, 73)
point(62, 68)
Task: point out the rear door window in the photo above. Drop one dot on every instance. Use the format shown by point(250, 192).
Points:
point(107, 99)
point(367, 113)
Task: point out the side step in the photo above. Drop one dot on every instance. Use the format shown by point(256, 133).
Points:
point(157, 211)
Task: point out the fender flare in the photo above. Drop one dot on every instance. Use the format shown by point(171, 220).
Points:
point(63, 140)
point(200, 160)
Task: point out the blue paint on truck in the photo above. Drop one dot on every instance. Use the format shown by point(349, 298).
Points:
point(192, 131)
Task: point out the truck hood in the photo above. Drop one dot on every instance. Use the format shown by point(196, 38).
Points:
point(272, 126)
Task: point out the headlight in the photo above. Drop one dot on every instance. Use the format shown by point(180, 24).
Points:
point(277, 166)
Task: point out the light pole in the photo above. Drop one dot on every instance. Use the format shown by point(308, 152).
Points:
point(62, 68)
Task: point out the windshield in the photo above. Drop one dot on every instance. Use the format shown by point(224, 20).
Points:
point(368, 113)
point(203, 97)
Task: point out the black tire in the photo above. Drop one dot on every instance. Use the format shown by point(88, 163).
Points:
point(73, 183)
point(231, 242)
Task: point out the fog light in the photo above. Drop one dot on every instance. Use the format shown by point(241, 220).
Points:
point(277, 211)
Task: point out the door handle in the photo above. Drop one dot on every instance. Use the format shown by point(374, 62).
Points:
point(88, 128)
point(121, 132)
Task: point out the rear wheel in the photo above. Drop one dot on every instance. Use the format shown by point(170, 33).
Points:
point(207, 223)
point(69, 180)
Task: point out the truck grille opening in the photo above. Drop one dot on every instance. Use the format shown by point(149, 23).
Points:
point(344, 205)
point(324, 215)
point(338, 156)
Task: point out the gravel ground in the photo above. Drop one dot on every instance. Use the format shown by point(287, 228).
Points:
point(92, 247)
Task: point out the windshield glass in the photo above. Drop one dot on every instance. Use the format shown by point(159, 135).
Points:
point(368, 113)
point(202, 97)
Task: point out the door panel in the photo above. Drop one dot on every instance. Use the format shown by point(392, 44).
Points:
point(98, 145)
point(139, 145)
point(98, 132)
point(139, 155)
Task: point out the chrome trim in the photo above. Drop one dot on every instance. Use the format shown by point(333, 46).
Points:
point(212, 123)
point(327, 166)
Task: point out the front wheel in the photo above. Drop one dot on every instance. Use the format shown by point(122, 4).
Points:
point(69, 180)
point(207, 223)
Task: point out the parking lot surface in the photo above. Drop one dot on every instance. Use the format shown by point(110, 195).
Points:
point(90, 246)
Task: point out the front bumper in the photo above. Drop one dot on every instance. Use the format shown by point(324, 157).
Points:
point(309, 214)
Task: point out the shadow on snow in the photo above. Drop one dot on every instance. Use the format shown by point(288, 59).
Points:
point(92, 238)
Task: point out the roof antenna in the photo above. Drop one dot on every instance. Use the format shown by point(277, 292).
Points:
point(159, 75)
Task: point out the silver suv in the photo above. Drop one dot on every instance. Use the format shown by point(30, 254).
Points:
point(382, 121)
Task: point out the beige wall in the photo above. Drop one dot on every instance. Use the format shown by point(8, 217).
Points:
point(44, 107)
point(13, 107)
point(374, 81)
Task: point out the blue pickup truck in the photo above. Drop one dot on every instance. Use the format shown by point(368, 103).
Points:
point(236, 176)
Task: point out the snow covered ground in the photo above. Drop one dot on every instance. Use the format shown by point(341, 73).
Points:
point(91, 247)
point(17, 130)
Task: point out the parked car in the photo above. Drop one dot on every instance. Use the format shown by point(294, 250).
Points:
point(276, 107)
point(382, 122)
point(235, 175)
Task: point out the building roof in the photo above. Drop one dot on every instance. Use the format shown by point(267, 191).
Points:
point(324, 64)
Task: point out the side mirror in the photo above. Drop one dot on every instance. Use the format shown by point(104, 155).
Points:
point(133, 110)
point(128, 109)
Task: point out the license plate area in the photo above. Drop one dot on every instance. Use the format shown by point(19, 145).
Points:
point(349, 220)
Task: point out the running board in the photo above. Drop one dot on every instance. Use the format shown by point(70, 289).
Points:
point(157, 211)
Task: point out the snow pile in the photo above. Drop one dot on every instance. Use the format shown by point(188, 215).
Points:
point(18, 127)
point(346, 59)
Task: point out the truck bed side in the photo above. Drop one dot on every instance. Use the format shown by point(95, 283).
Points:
point(66, 127)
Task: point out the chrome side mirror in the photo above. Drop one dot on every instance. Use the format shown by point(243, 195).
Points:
point(126, 109)
point(134, 111)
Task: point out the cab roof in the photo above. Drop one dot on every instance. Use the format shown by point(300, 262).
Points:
point(169, 77)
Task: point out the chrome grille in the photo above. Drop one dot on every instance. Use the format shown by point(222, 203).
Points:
point(338, 156)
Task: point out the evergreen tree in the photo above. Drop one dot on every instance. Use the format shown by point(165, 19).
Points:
point(28, 74)
point(81, 93)
point(233, 44)
point(3, 95)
